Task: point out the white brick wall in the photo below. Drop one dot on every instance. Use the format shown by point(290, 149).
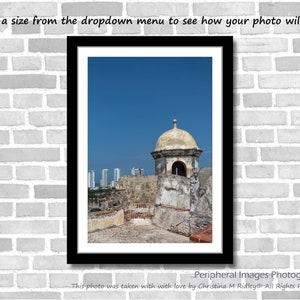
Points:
point(33, 142)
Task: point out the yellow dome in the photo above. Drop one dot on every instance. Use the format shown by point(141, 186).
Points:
point(175, 139)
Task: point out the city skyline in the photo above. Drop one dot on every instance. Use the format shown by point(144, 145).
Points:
point(132, 101)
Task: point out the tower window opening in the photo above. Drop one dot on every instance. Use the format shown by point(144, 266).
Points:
point(178, 168)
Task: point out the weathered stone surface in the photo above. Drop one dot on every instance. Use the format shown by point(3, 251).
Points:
point(172, 219)
point(106, 221)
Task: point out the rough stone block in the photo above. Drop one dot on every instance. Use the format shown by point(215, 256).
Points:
point(106, 221)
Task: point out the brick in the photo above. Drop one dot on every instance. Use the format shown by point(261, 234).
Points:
point(27, 100)
point(14, 191)
point(57, 100)
point(31, 280)
point(91, 29)
point(30, 244)
point(57, 173)
point(288, 135)
point(31, 227)
point(29, 154)
point(262, 261)
point(57, 209)
point(289, 208)
point(11, 45)
point(57, 136)
point(59, 29)
point(243, 81)
point(237, 172)
point(258, 29)
point(27, 81)
point(297, 261)
point(158, 278)
point(28, 137)
point(130, 278)
point(224, 9)
point(283, 100)
point(288, 244)
point(279, 81)
point(190, 29)
point(51, 262)
point(225, 295)
point(50, 191)
point(260, 135)
point(5, 245)
point(280, 295)
point(257, 100)
point(159, 294)
point(284, 28)
point(97, 278)
point(56, 63)
point(280, 225)
point(4, 101)
point(245, 154)
point(15, 262)
point(126, 29)
point(5, 172)
point(21, 63)
point(4, 138)
point(3, 63)
point(296, 45)
point(6, 209)
point(257, 63)
point(259, 208)
point(237, 209)
point(47, 118)
point(159, 9)
point(261, 118)
point(295, 118)
point(63, 82)
point(261, 45)
point(158, 29)
point(28, 9)
point(280, 154)
point(296, 189)
point(30, 295)
point(279, 9)
point(96, 295)
point(289, 171)
point(58, 280)
point(221, 29)
point(245, 226)
point(47, 45)
point(237, 135)
point(287, 63)
point(92, 9)
point(30, 173)
point(30, 209)
point(11, 118)
point(260, 171)
point(58, 245)
point(262, 190)
point(6, 280)
point(26, 29)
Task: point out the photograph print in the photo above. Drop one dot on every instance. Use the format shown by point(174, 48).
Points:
point(150, 160)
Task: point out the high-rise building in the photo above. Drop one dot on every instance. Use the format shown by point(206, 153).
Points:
point(91, 179)
point(105, 178)
point(117, 174)
point(137, 171)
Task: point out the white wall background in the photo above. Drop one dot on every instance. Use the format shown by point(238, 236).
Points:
point(33, 149)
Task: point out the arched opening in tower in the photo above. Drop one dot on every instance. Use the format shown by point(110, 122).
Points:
point(178, 168)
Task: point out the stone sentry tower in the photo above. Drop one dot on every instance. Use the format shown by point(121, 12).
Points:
point(176, 153)
point(176, 164)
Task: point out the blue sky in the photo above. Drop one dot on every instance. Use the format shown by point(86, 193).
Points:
point(133, 100)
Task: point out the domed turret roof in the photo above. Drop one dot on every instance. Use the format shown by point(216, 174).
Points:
point(175, 139)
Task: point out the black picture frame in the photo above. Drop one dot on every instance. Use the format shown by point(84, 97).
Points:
point(225, 256)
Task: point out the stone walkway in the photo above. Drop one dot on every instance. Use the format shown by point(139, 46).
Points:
point(136, 233)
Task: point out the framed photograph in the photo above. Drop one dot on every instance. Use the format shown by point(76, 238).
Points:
point(147, 160)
